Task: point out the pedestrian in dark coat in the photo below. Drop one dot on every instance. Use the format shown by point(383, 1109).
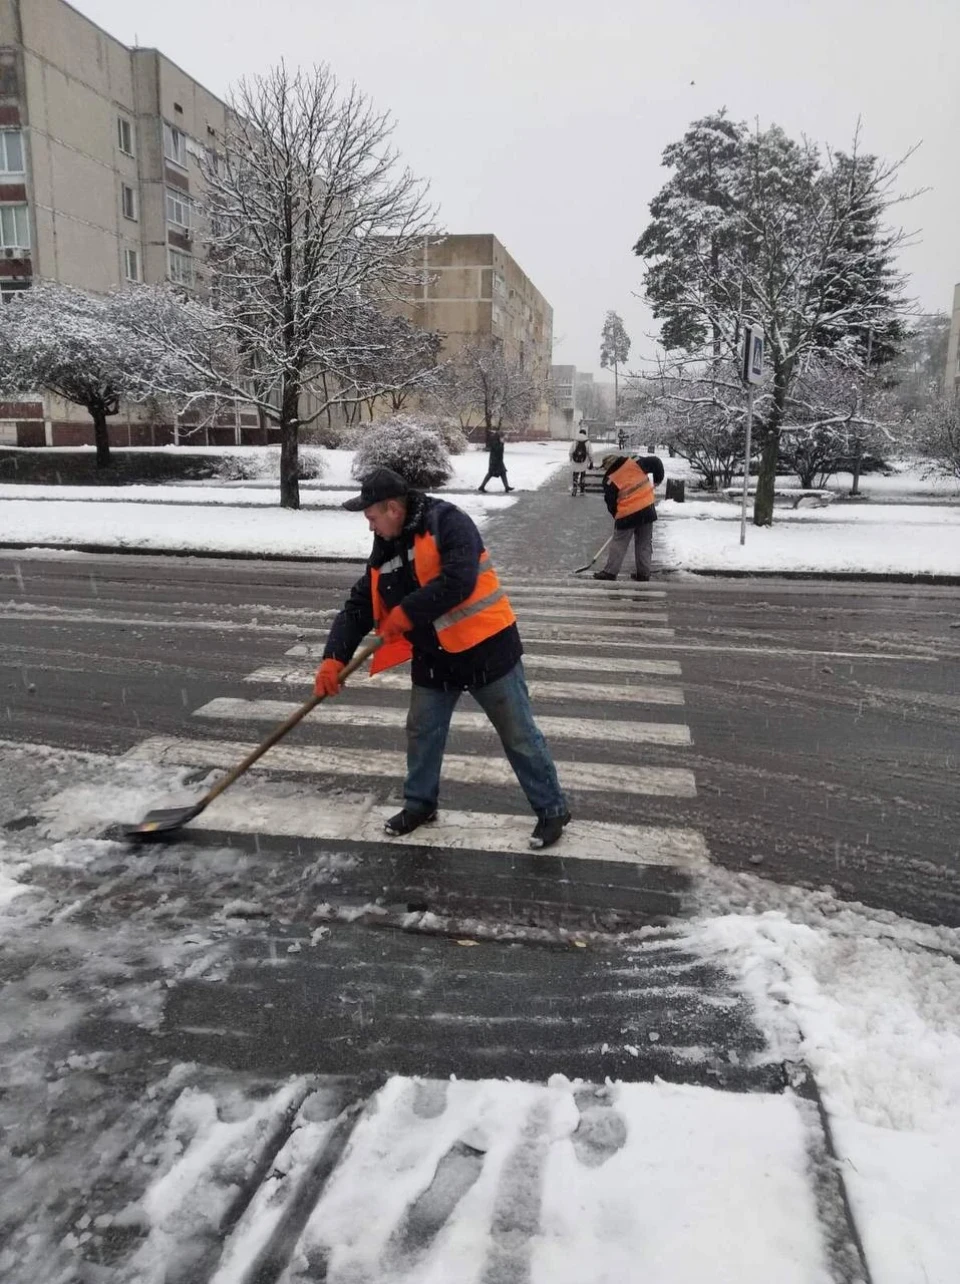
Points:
point(495, 465)
point(628, 490)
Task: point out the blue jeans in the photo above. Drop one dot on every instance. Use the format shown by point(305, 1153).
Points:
point(506, 702)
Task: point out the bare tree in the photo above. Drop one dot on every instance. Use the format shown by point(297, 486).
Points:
point(482, 382)
point(937, 435)
point(309, 223)
point(398, 359)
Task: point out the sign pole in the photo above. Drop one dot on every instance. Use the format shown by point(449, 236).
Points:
point(746, 466)
point(751, 373)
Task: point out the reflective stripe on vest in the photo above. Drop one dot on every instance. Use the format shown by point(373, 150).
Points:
point(485, 612)
point(635, 490)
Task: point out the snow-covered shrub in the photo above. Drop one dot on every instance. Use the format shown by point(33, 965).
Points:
point(417, 453)
point(262, 463)
point(320, 433)
point(453, 436)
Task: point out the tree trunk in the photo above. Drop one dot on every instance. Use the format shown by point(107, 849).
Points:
point(264, 428)
point(289, 446)
point(100, 435)
point(857, 463)
point(766, 479)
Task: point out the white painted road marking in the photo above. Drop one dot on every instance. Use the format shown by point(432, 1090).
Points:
point(593, 777)
point(646, 733)
point(575, 615)
point(587, 666)
point(260, 810)
point(584, 632)
point(399, 680)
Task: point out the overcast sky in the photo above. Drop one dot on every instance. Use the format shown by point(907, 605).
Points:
point(543, 121)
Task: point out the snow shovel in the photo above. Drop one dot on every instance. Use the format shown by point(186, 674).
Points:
point(159, 824)
point(602, 549)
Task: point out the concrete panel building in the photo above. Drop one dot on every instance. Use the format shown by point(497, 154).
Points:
point(470, 289)
point(100, 149)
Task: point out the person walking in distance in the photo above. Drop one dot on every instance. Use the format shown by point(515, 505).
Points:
point(432, 595)
point(495, 467)
point(628, 489)
point(581, 458)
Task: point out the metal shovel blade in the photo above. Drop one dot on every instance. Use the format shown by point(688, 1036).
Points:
point(162, 822)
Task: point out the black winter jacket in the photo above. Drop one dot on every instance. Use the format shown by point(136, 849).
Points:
point(460, 544)
point(652, 465)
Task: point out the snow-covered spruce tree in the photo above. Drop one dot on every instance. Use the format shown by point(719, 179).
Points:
point(308, 223)
point(401, 443)
point(614, 350)
point(482, 384)
point(757, 226)
point(77, 346)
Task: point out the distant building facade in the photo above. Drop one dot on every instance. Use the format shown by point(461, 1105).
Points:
point(100, 150)
point(565, 412)
point(951, 376)
point(471, 289)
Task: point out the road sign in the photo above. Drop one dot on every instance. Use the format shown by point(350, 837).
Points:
point(752, 354)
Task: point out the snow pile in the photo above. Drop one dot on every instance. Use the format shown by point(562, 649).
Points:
point(872, 1004)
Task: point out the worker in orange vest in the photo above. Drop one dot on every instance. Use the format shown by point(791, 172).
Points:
point(432, 595)
point(628, 489)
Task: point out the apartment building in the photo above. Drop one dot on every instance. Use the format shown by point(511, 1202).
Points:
point(470, 288)
point(100, 150)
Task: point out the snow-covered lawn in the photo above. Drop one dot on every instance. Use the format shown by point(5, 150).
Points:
point(245, 517)
point(890, 538)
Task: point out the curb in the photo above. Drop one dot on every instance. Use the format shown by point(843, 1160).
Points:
point(234, 555)
point(863, 577)
point(238, 555)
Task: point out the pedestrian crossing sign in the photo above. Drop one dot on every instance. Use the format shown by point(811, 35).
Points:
point(752, 354)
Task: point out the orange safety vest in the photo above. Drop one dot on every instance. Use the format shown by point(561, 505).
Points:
point(485, 612)
point(635, 490)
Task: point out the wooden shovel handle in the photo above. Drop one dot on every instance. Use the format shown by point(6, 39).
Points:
point(278, 733)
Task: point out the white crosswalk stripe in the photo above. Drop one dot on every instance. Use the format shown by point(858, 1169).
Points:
point(229, 708)
point(262, 809)
point(400, 681)
point(606, 614)
point(544, 661)
point(468, 769)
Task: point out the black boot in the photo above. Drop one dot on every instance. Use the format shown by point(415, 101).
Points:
point(405, 822)
point(549, 830)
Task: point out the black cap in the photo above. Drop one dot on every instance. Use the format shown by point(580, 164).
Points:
point(381, 484)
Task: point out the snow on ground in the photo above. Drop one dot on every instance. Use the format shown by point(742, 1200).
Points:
point(246, 518)
point(893, 539)
point(872, 1004)
point(441, 1181)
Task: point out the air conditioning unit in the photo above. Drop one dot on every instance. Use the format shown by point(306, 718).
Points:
point(9, 253)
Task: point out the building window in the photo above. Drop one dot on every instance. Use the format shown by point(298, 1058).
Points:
point(131, 265)
point(175, 145)
point(179, 209)
point(11, 151)
point(128, 201)
point(14, 227)
point(125, 135)
point(181, 267)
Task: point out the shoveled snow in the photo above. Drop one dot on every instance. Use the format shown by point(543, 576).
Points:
point(872, 1004)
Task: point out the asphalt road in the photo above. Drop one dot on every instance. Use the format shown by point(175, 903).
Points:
point(824, 717)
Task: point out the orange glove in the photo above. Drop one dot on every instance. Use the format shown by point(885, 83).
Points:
point(395, 624)
point(328, 678)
